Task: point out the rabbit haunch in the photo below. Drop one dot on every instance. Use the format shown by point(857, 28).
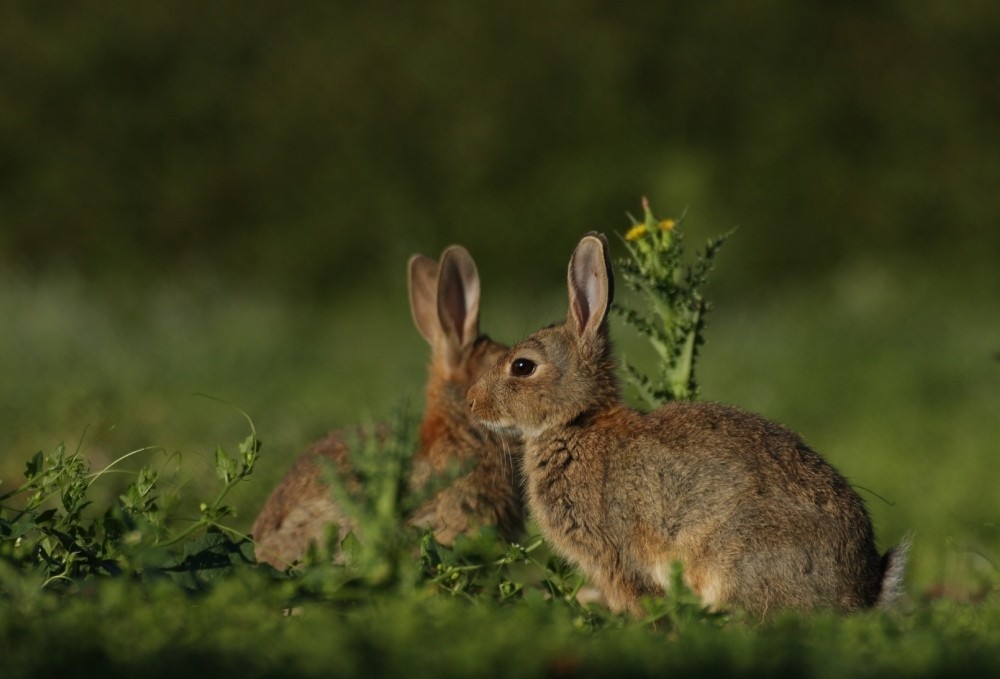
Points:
point(756, 518)
point(444, 300)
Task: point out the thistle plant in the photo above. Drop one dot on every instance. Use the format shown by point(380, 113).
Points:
point(672, 317)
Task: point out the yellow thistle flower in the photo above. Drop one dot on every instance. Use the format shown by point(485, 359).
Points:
point(636, 232)
point(667, 225)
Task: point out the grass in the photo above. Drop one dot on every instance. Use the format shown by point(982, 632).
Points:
point(888, 372)
point(238, 629)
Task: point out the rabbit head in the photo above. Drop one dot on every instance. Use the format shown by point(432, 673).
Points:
point(561, 372)
point(444, 301)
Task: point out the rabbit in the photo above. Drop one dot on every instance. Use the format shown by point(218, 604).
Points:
point(444, 300)
point(755, 517)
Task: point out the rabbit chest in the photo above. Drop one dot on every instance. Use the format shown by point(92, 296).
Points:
point(569, 495)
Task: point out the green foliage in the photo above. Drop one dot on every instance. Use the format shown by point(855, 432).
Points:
point(50, 538)
point(675, 309)
point(680, 608)
point(379, 497)
point(475, 566)
point(373, 488)
point(486, 572)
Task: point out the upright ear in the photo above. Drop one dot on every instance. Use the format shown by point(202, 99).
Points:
point(423, 275)
point(591, 285)
point(458, 296)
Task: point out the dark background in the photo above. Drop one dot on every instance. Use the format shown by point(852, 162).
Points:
point(308, 147)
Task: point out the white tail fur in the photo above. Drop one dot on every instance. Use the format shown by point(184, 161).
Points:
point(893, 565)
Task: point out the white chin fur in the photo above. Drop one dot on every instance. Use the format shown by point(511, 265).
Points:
point(503, 429)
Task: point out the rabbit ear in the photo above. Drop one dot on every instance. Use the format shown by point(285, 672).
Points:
point(591, 285)
point(423, 274)
point(458, 296)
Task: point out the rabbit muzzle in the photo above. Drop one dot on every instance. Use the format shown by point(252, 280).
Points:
point(483, 408)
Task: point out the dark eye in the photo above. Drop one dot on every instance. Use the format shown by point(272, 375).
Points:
point(522, 367)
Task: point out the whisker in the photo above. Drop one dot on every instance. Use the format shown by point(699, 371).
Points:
point(495, 470)
point(505, 453)
point(509, 456)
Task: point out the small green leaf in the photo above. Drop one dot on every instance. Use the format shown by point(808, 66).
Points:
point(33, 466)
point(225, 466)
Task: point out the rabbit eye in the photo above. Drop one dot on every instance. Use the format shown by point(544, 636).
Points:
point(522, 367)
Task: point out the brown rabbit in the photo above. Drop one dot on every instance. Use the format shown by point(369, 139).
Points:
point(444, 299)
point(755, 517)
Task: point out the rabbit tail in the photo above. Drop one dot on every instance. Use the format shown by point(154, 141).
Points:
point(893, 565)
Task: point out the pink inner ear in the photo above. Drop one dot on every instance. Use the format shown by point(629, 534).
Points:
point(458, 297)
point(581, 312)
point(454, 310)
point(592, 283)
point(588, 289)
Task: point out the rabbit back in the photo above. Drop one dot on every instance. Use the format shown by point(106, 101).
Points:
point(755, 516)
point(300, 509)
point(763, 520)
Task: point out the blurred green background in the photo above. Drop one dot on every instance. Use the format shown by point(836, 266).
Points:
point(220, 198)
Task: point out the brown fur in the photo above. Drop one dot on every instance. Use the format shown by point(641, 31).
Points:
point(444, 299)
point(756, 518)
